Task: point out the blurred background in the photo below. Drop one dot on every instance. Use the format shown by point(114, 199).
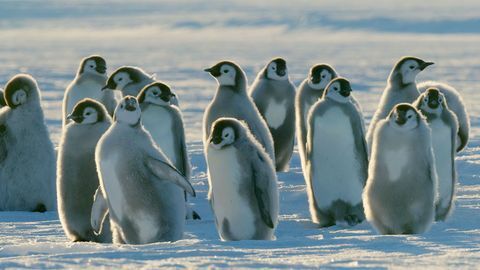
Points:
point(176, 40)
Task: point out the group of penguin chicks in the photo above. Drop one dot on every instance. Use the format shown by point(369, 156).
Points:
point(126, 179)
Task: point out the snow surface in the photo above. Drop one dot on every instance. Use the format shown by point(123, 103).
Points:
point(177, 40)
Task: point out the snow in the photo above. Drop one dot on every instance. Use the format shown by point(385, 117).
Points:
point(177, 40)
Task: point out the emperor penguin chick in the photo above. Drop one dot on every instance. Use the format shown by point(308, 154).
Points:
point(77, 178)
point(140, 188)
point(165, 124)
point(457, 105)
point(401, 88)
point(444, 125)
point(243, 185)
point(91, 77)
point(400, 192)
point(231, 100)
point(337, 159)
point(274, 96)
point(27, 158)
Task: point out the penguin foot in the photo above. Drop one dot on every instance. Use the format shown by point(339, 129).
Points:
point(196, 216)
point(353, 220)
point(40, 208)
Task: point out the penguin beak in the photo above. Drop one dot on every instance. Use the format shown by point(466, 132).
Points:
point(423, 65)
point(75, 118)
point(216, 140)
point(215, 72)
point(110, 85)
point(101, 69)
point(345, 92)
point(433, 103)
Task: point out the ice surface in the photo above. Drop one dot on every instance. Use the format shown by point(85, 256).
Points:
point(177, 40)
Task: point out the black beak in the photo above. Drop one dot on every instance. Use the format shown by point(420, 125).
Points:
point(110, 85)
point(400, 120)
point(423, 65)
point(433, 103)
point(215, 72)
point(345, 92)
point(101, 69)
point(281, 72)
point(216, 139)
point(75, 118)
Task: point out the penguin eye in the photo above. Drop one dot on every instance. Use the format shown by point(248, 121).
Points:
point(410, 116)
point(273, 68)
point(425, 100)
point(335, 88)
point(440, 100)
point(226, 135)
point(323, 76)
point(88, 113)
point(120, 79)
point(225, 71)
point(412, 67)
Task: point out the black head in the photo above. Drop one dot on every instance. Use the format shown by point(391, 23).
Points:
point(19, 90)
point(227, 73)
point(433, 98)
point(156, 90)
point(321, 74)
point(93, 62)
point(404, 115)
point(225, 131)
point(124, 76)
point(88, 111)
point(277, 66)
point(338, 89)
point(407, 68)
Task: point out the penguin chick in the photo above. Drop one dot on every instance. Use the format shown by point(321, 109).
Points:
point(165, 124)
point(444, 125)
point(89, 80)
point(142, 189)
point(400, 192)
point(457, 105)
point(401, 88)
point(231, 100)
point(77, 178)
point(243, 186)
point(337, 160)
point(27, 161)
point(274, 96)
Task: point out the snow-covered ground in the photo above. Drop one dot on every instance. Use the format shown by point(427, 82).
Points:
point(176, 40)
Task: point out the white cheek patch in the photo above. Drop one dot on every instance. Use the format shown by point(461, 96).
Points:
point(125, 80)
point(227, 79)
point(90, 65)
point(128, 117)
point(19, 97)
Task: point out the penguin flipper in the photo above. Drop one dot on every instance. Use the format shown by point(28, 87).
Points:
point(163, 170)
point(99, 211)
point(261, 189)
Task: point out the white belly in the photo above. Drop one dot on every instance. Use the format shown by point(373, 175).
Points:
point(225, 180)
point(147, 227)
point(442, 147)
point(275, 113)
point(396, 161)
point(88, 89)
point(113, 186)
point(336, 172)
point(158, 121)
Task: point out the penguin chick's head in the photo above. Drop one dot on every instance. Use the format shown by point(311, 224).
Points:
point(225, 131)
point(276, 70)
point(124, 76)
point(404, 117)
point(339, 90)
point(432, 101)
point(93, 64)
point(128, 111)
point(88, 111)
point(20, 89)
point(320, 75)
point(406, 69)
point(227, 73)
point(156, 93)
